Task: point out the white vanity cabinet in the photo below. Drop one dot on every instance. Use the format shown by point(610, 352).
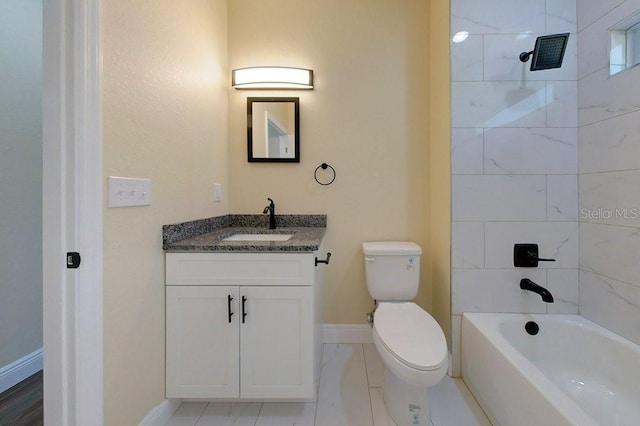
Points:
point(242, 325)
point(202, 348)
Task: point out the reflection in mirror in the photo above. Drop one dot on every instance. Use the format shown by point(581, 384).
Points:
point(273, 130)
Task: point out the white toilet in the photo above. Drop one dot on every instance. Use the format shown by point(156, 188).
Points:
point(410, 342)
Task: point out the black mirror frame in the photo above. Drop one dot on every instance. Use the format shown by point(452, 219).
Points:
point(250, 157)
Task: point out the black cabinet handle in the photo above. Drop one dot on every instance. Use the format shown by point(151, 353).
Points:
point(244, 313)
point(229, 299)
point(324, 261)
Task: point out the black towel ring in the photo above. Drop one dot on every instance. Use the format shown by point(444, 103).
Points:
point(324, 166)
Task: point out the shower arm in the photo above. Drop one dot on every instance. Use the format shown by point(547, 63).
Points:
point(524, 56)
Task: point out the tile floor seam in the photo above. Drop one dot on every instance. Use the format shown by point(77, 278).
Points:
point(315, 412)
point(366, 374)
point(474, 398)
point(258, 416)
point(200, 416)
point(366, 366)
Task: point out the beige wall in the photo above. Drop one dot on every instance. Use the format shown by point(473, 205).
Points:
point(440, 161)
point(165, 118)
point(20, 179)
point(379, 114)
point(367, 117)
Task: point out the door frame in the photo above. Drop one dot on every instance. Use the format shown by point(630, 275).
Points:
point(72, 212)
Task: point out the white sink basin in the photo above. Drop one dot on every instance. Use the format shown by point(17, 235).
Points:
point(259, 237)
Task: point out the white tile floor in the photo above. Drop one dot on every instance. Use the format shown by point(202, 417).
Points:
point(350, 394)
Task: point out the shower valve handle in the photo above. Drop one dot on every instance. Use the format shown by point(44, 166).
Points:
point(526, 256)
point(539, 259)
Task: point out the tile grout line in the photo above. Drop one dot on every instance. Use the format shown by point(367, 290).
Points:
point(260, 411)
point(366, 375)
point(315, 411)
point(366, 367)
point(201, 414)
point(322, 369)
point(475, 399)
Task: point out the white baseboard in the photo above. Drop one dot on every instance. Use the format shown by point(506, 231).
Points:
point(17, 371)
point(161, 413)
point(346, 333)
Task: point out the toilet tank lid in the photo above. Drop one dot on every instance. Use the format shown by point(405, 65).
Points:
point(391, 248)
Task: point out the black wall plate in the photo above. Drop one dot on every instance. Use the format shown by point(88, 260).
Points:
point(525, 255)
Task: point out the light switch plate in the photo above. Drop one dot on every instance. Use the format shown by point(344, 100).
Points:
point(129, 192)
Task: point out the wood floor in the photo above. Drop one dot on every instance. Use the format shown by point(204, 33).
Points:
point(21, 405)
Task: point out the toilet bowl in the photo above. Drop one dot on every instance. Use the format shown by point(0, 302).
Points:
point(414, 351)
point(410, 342)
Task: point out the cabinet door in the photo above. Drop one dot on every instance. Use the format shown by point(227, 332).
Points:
point(276, 347)
point(202, 343)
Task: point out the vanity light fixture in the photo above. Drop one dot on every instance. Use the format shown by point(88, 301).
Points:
point(272, 78)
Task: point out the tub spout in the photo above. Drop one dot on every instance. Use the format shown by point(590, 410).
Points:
point(527, 284)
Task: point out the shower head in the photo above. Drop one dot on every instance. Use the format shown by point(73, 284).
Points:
point(547, 53)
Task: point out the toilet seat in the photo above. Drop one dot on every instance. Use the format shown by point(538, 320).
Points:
point(411, 335)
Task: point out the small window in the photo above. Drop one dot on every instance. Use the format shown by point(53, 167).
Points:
point(625, 45)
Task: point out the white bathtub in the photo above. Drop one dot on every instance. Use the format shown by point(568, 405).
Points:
point(573, 372)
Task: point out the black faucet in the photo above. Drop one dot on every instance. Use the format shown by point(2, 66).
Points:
point(527, 284)
point(271, 209)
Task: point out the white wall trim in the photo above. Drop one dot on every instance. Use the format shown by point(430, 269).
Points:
point(72, 206)
point(346, 333)
point(161, 413)
point(17, 371)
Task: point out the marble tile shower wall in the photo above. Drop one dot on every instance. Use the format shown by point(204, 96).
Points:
point(609, 174)
point(514, 159)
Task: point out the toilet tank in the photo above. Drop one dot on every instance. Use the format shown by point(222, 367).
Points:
point(392, 269)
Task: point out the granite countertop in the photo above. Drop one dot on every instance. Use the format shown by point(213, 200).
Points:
point(207, 235)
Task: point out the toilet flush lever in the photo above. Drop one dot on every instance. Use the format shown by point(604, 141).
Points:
point(369, 259)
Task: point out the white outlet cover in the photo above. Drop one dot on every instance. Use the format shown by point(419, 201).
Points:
point(129, 192)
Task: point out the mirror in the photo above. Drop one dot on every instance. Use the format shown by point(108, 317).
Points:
point(273, 130)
